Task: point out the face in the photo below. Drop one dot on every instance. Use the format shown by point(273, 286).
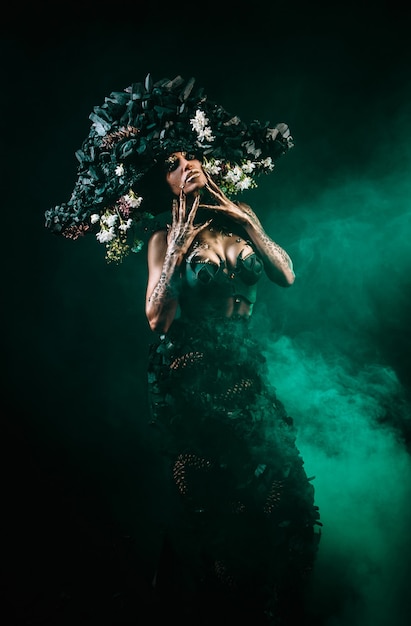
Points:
point(184, 171)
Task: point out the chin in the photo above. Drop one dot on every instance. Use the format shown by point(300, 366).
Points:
point(193, 188)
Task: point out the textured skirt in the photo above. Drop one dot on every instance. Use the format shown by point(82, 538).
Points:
point(244, 530)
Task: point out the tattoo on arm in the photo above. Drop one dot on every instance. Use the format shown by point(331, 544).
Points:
point(167, 286)
point(274, 250)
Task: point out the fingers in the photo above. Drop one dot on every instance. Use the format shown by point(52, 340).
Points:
point(175, 211)
point(192, 175)
point(193, 210)
point(216, 193)
point(192, 215)
point(182, 206)
point(213, 188)
point(213, 207)
point(210, 181)
point(203, 226)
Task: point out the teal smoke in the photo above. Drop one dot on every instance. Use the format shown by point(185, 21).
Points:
point(338, 353)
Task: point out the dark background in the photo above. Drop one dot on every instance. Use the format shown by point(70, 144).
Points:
point(82, 500)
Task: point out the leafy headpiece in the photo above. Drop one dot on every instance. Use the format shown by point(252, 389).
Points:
point(138, 128)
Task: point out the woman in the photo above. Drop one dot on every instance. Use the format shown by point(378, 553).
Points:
point(245, 537)
point(241, 535)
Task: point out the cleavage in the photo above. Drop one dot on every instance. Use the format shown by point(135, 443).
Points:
point(221, 252)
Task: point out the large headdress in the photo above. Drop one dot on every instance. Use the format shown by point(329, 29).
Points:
point(137, 129)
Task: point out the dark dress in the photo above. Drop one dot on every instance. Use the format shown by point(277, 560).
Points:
point(243, 532)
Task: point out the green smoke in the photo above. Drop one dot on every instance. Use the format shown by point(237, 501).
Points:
point(338, 356)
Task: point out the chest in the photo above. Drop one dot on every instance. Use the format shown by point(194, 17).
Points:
point(219, 248)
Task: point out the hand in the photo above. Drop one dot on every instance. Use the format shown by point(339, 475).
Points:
point(182, 231)
point(240, 213)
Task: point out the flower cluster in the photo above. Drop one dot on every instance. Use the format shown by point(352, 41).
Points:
point(199, 124)
point(117, 226)
point(234, 178)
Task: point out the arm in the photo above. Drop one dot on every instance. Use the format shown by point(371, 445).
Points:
point(163, 283)
point(166, 252)
point(277, 263)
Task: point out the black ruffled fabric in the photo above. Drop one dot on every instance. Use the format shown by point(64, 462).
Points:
point(141, 126)
point(245, 532)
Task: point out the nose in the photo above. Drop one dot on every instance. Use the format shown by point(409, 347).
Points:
point(187, 165)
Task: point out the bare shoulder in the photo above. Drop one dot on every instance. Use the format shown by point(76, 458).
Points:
point(157, 247)
point(158, 238)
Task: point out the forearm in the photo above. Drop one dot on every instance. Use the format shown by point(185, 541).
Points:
point(277, 263)
point(162, 302)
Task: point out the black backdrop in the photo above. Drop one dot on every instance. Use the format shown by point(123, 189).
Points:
point(82, 500)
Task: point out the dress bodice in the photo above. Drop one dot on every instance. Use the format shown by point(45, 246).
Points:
point(208, 284)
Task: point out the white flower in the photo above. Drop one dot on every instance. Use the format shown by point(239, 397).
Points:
point(125, 225)
point(248, 167)
point(119, 170)
point(234, 175)
point(206, 135)
point(104, 236)
point(244, 183)
point(213, 166)
point(133, 200)
point(267, 163)
point(109, 219)
point(94, 218)
point(199, 121)
point(199, 124)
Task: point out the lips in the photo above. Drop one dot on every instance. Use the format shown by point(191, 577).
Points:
point(192, 176)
